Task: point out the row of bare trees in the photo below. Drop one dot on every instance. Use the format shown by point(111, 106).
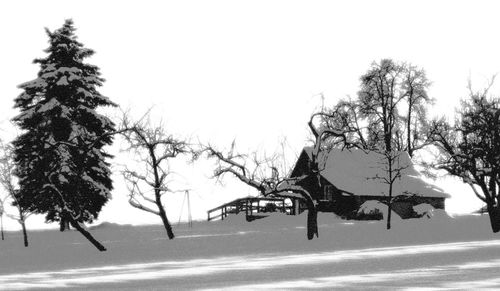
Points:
point(153, 147)
point(389, 117)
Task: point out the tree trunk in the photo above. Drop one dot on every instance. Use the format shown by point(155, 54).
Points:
point(494, 213)
point(164, 218)
point(25, 234)
point(158, 184)
point(312, 219)
point(1, 226)
point(408, 134)
point(389, 202)
point(22, 218)
point(312, 222)
point(166, 223)
point(87, 235)
point(389, 210)
point(64, 224)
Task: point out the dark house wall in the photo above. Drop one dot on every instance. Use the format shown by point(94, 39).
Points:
point(302, 167)
point(404, 207)
point(345, 205)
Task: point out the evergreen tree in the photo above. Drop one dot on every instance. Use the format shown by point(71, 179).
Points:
point(61, 164)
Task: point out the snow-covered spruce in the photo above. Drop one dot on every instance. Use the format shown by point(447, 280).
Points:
point(61, 165)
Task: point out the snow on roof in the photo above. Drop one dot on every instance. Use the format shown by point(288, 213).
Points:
point(361, 173)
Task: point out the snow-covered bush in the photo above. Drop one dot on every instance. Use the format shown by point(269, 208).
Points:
point(428, 211)
point(371, 210)
point(423, 210)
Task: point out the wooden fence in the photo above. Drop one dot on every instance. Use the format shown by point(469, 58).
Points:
point(254, 207)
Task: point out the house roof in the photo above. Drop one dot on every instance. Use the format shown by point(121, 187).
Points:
point(361, 173)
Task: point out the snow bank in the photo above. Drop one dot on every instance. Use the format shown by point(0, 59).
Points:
point(266, 222)
point(234, 236)
point(374, 210)
point(107, 225)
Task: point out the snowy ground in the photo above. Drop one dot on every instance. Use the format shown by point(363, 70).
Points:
point(272, 253)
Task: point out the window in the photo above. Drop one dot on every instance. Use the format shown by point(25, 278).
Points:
point(329, 192)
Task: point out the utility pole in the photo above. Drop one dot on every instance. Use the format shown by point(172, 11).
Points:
point(190, 218)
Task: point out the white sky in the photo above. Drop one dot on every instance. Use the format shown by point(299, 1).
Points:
point(250, 69)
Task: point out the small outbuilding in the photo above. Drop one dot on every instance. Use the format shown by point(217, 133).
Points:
point(350, 177)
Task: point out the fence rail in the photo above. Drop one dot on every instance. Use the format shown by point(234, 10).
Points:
point(254, 207)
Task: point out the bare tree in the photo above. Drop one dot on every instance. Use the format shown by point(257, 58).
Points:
point(153, 148)
point(7, 168)
point(262, 174)
point(373, 121)
point(269, 178)
point(470, 148)
point(379, 98)
point(415, 85)
point(346, 116)
point(392, 165)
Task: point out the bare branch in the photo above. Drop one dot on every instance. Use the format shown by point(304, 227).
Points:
point(482, 198)
point(137, 205)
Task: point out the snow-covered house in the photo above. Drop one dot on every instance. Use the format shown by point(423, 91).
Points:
point(351, 177)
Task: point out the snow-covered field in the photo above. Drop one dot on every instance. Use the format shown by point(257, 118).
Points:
point(271, 253)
